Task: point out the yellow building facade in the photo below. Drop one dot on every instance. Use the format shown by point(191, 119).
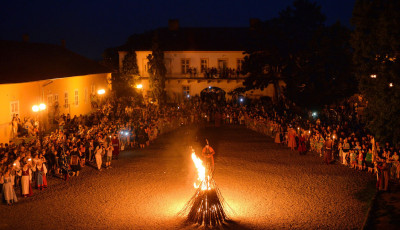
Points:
point(33, 74)
point(71, 94)
point(181, 82)
point(191, 54)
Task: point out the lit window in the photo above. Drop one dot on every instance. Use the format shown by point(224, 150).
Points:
point(66, 102)
point(14, 107)
point(50, 100)
point(222, 64)
point(185, 65)
point(186, 90)
point(86, 95)
point(203, 65)
point(55, 98)
point(76, 97)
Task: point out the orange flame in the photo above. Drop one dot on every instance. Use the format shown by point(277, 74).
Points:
point(201, 172)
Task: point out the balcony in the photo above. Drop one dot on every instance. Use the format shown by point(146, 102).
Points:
point(211, 73)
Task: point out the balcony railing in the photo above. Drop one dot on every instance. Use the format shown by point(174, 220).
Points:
point(211, 73)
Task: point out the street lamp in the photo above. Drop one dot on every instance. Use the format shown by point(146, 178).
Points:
point(139, 86)
point(38, 109)
point(101, 91)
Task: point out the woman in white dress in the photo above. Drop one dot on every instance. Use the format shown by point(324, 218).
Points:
point(26, 185)
point(8, 187)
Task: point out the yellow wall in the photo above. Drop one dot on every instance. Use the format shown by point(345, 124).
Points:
point(173, 60)
point(33, 93)
point(176, 80)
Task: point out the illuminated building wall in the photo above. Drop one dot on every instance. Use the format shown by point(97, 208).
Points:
point(72, 94)
point(179, 81)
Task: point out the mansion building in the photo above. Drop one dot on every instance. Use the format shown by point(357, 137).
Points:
point(196, 59)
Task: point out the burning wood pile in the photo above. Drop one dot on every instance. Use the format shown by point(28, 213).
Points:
point(206, 207)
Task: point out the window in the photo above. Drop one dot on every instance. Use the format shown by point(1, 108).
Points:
point(76, 97)
point(239, 64)
point(185, 65)
point(222, 63)
point(86, 95)
point(186, 91)
point(50, 100)
point(55, 98)
point(66, 103)
point(203, 65)
point(145, 62)
point(14, 108)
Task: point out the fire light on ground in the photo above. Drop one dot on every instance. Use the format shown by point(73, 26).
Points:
point(206, 207)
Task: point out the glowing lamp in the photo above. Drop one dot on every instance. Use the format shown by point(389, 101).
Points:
point(42, 106)
point(373, 75)
point(101, 91)
point(390, 84)
point(35, 108)
point(139, 86)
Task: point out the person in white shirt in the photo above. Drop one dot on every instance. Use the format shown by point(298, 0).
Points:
point(99, 152)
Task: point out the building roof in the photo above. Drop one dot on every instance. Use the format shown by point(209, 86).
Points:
point(25, 61)
point(193, 39)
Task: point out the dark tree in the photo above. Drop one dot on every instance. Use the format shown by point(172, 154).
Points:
point(300, 50)
point(157, 71)
point(124, 82)
point(376, 43)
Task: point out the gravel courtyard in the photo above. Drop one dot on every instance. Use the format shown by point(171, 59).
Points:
point(266, 186)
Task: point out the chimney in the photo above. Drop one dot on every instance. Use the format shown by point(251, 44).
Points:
point(25, 38)
point(173, 24)
point(63, 43)
point(254, 23)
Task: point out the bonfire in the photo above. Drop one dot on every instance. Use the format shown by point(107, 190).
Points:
point(206, 207)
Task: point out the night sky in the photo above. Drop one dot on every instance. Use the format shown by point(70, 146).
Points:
point(90, 26)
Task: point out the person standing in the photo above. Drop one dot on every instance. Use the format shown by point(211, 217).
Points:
point(8, 187)
point(115, 144)
point(98, 155)
point(41, 170)
point(109, 155)
point(26, 179)
point(302, 145)
point(328, 150)
point(208, 154)
point(64, 166)
point(75, 161)
point(292, 139)
point(383, 176)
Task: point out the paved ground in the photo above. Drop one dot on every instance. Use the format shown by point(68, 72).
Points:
point(385, 212)
point(267, 187)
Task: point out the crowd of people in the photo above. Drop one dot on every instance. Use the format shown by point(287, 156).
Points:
point(79, 141)
point(337, 135)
